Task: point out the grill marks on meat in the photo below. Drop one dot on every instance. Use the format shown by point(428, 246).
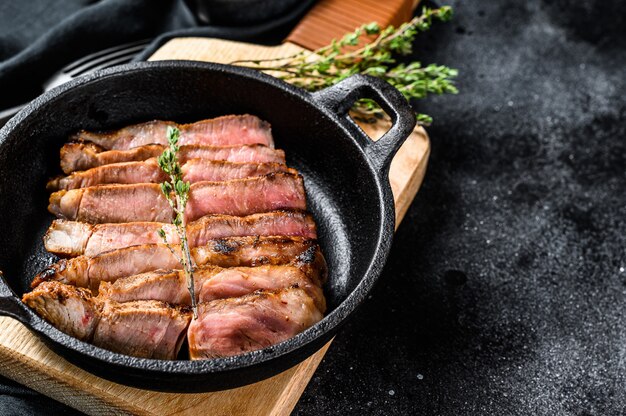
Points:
point(109, 266)
point(82, 156)
point(122, 173)
point(148, 329)
point(257, 251)
point(221, 131)
point(84, 271)
point(71, 238)
point(258, 269)
point(195, 170)
point(211, 283)
point(285, 223)
point(145, 202)
point(237, 325)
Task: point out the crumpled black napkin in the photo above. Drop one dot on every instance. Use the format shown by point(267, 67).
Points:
point(38, 37)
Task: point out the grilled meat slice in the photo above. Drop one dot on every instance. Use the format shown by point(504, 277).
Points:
point(211, 282)
point(145, 202)
point(198, 170)
point(162, 285)
point(112, 203)
point(148, 329)
point(70, 309)
point(257, 251)
point(284, 223)
point(82, 156)
point(123, 173)
point(109, 266)
point(195, 170)
point(275, 191)
point(71, 238)
point(221, 131)
point(237, 325)
point(239, 281)
point(84, 271)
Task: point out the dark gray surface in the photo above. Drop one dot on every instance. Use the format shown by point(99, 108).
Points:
point(527, 201)
point(525, 195)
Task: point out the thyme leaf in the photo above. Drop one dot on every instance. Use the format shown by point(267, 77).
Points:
point(176, 191)
point(345, 57)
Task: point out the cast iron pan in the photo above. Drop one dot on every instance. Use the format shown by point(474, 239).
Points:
point(346, 178)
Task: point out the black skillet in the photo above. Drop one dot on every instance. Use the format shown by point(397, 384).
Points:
point(346, 178)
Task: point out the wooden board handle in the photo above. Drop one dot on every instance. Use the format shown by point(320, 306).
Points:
point(331, 19)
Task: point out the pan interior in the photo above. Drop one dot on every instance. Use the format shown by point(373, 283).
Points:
point(341, 189)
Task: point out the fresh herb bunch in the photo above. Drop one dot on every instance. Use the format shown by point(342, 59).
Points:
point(168, 162)
point(341, 59)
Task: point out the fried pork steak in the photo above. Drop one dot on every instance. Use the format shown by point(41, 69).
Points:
point(258, 269)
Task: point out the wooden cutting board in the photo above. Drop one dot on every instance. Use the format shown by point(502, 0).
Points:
point(26, 359)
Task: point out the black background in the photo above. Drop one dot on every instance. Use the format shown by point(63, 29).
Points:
point(505, 291)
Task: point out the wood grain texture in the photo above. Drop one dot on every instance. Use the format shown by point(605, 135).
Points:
point(26, 359)
point(331, 19)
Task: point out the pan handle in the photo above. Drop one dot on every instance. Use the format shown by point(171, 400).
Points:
point(339, 99)
point(10, 305)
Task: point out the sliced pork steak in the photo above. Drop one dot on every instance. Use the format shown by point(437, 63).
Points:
point(211, 283)
point(162, 285)
point(283, 223)
point(145, 202)
point(70, 309)
point(239, 281)
point(82, 156)
point(258, 269)
point(109, 266)
point(221, 131)
point(124, 173)
point(276, 191)
point(237, 325)
point(148, 329)
point(71, 238)
point(112, 203)
point(257, 251)
point(198, 170)
point(195, 170)
point(84, 271)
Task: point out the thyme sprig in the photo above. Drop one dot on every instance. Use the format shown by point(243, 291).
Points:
point(345, 57)
point(168, 162)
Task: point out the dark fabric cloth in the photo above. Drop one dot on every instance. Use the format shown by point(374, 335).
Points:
point(38, 37)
